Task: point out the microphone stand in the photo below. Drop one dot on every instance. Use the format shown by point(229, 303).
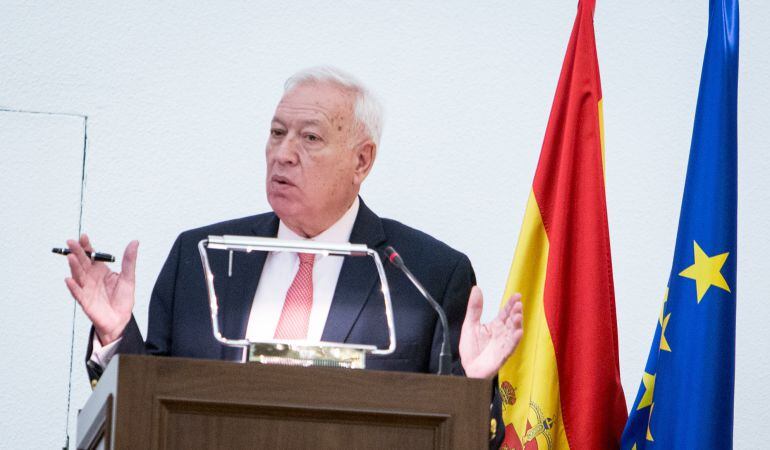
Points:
point(445, 356)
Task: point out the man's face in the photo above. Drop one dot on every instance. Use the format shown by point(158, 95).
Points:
point(313, 157)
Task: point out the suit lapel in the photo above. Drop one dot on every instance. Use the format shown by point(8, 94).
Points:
point(355, 285)
point(357, 279)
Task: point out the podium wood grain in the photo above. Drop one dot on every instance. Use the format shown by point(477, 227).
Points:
point(176, 403)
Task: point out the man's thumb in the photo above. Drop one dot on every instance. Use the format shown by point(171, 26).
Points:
point(128, 264)
point(475, 306)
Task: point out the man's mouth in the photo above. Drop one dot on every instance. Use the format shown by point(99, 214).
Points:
point(281, 181)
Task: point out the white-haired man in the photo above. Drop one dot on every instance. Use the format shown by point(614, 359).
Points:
point(323, 142)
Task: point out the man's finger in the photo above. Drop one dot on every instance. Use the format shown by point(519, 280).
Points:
point(128, 264)
point(74, 288)
point(516, 308)
point(505, 312)
point(513, 300)
point(513, 307)
point(518, 321)
point(515, 316)
point(86, 243)
point(79, 253)
point(517, 335)
point(78, 274)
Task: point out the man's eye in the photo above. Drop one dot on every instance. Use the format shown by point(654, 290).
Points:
point(312, 138)
point(277, 132)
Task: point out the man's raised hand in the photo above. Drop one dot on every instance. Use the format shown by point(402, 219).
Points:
point(107, 297)
point(484, 348)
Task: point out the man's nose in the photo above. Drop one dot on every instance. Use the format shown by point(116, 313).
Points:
point(286, 151)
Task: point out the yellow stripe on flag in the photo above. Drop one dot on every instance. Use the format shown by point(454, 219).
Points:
point(531, 396)
point(601, 133)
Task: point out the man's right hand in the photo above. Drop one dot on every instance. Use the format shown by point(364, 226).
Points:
point(107, 297)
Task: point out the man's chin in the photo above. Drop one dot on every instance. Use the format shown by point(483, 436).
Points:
point(282, 206)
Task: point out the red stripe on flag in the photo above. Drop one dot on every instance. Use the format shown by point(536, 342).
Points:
point(579, 295)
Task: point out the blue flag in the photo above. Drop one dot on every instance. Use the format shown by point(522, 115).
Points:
point(685, 400)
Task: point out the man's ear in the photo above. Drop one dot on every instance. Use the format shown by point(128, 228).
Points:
point(365, 152)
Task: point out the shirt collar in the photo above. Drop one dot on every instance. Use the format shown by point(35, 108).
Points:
point(339, 232)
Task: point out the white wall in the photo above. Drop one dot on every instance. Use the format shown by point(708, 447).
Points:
point(179, 98)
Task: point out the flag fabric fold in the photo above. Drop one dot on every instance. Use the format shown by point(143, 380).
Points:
point(685, 399)
point(561, 387)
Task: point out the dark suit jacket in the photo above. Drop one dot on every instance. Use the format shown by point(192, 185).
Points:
point(180, 319)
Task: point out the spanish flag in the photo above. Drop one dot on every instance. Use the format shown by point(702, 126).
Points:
point(561, 388)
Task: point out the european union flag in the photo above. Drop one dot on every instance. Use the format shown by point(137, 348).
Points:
point(685, 400)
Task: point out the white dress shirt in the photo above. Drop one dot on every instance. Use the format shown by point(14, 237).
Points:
point(275, 280)
point(278, 274)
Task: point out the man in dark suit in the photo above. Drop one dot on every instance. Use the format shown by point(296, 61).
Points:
point(323, 142)
point(179, 314)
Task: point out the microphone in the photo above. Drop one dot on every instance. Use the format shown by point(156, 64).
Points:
point(445, 357)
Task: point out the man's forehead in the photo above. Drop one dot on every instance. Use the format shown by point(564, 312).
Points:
point(316, 101)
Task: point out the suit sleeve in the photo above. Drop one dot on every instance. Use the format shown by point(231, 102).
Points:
point(160, 316)
point(160, 319)
point(455, 302)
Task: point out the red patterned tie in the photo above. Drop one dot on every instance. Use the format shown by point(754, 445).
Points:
point(295, 315)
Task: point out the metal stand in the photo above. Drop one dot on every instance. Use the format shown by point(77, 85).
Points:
point(298, 353)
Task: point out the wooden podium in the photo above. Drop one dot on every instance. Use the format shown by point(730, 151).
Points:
point(144, 402)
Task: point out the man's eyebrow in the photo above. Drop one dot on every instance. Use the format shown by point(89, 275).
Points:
point(311, 122)
point(301, 123)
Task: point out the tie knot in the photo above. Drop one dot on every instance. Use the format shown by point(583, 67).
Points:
point(306, 258)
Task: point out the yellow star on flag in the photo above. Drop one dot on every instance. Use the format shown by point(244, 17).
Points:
point(649, 432)
point(663, 341)
point(663, 319)
point(706, 271)
point(649, 387)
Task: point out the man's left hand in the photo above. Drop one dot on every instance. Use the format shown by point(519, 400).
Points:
point(484, 348)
